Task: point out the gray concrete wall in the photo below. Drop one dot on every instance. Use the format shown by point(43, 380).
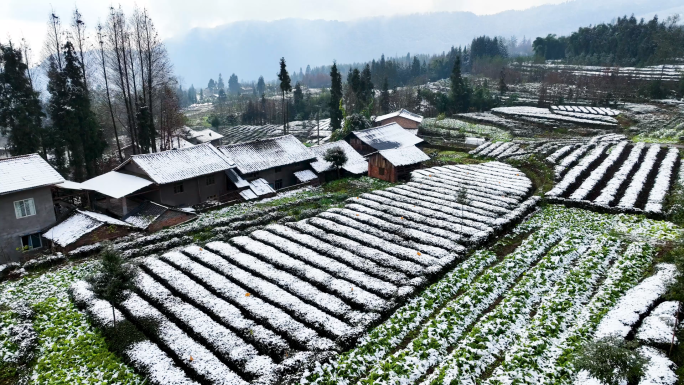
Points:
point(286, 174)
point(12, 229)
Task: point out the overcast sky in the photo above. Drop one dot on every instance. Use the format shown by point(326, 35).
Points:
point(27, 18)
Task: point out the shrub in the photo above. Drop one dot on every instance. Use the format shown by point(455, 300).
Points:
point(113, 278)
point(612, 360)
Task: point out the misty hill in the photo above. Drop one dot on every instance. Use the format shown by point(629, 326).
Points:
point(252, 48)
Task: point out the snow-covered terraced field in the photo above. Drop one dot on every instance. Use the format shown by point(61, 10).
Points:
point(512, 314)
point(303, 130)
point(554, 150)
point(578, 118)
point(263, 308)
point(623, 177)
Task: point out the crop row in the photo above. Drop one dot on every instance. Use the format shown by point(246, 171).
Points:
point(260, 307)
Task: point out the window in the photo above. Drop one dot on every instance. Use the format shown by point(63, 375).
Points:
point(31, 241)
point(178, 188)
point(24, 208)
point(210, 180)
point(278, 169)
point(381, 170)
point(278, 184)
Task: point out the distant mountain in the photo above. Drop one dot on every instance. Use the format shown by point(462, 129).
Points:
point(252, 48)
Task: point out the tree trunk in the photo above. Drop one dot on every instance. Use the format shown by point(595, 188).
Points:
point(109, 99)
point(113, 316)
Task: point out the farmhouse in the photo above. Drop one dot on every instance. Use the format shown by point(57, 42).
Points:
point(356, 164)
point(274, 159)
point(408, 120)
point(395, 164)
point(182, 177)
point(26, 205)
point(381, 138)
point(85, 228)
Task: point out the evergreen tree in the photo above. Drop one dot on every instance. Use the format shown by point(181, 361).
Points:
point(366, 87)
point(415, 67)
point(335, 99)
point(20, 110)
point(233, 85)
point(261, 86)
point(337, 157)
point(222, 98)
point(219, 84)
point(192, 94)
point(212, 85)
point(502, 81)
point(298, 99)
point(143, 118)
point(74, 123)
point(201, 96)
point(385, 98)
point(114, 279)
point(285, 86)
point(460, 91)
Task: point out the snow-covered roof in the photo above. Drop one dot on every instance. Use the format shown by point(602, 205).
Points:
point(26, 172)
point(401, 113)
point(236, 179)
point(69, 185)
point(203, 136)
point(356, 164)
point(78, 225)
point(387, 137)
point(305, 175)
point(116, 184)
point(261, 187)
point(263, 154)
point(248, 194)
point(181, 164)
point(404, 156)
point(145, 214)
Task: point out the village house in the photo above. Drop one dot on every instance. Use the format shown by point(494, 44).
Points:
point(356, 164)
point(395, 164)
point(182, 177)
point(276, 160)
point(384, 137)
point(26, 205)
point(408, 120)
point(85, 228)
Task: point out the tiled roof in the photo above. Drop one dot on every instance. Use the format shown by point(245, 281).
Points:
point(181, 164)
point(78, 225)
point(356, 164)
point(26, 172)
point(402, 113)
point(203, 136)
point(404, 156)
point(143, 215)
point(305, 175)
point(263, 154)
point(387, 137)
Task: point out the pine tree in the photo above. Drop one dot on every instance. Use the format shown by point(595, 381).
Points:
point(219, 84)
point(261, 86)
point(298, 99)
point(285, 86)
point(212, 85)
point(335, 98)
point(114, 279)
point(385, 98)
point(144, 130)
point(337, 157)
point(192, 94)
point(20, 109)
point(233, 85)
point(460, 92)
point(366, 87)
point(201, 97)
point(73, 120)
point(502, 82)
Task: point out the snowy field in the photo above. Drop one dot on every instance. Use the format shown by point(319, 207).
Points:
point(262, 308)
point(512, 317)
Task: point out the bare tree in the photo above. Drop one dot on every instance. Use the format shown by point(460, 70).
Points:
point(79, 41)
point(100, 40)
point(54, 41)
